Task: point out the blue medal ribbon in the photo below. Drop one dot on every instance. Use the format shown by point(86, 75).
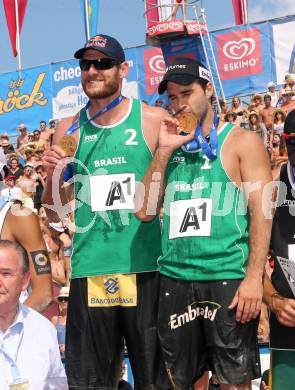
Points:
point(75, 126)
point(210, 150)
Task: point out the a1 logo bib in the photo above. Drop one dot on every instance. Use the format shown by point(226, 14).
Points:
point(112, 192)
point(190, 217)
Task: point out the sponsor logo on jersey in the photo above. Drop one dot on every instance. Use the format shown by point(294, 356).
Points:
point(111, 285)
point(204, 309)
point(90, 138)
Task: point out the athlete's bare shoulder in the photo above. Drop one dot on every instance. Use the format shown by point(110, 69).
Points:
point(151, 121)
point(243, 138)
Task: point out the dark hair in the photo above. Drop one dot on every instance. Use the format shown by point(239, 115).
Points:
point(289, 125)
point(23, 256)
point(42, 122)
point(202, 83)
point(266, 97)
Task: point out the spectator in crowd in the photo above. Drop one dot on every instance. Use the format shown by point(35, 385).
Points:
point(6, 144)
point(278, 148)
point(56, 253)
point(288, 103)
point(267, 114)
point(27, 183)
point(256, 126)
point(38, 141)
point(29, 357)
point(40, 185)
point(23, 137)
point(21, 225)
point(11, 192)
point(278, 121)
point(66, 238)
point(289, 84)
point(240, 111)
point(46, 134)
point(231, 117)
point(159, 103)
point(256, 103)
point(272, 93)
point(52, 127)
point(123, 385)
point(224, 110)
point(14, 168)
point(203, 253)
point(264, 380)
point(177, 4)
point(279, 292)
point(59, 321)
point(93, 358)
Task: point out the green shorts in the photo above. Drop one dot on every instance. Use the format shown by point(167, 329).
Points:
point(282, 369)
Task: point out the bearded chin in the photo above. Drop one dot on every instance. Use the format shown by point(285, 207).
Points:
point(108, 90)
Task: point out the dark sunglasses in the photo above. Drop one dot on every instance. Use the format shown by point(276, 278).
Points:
point(99, 64)
point(63, 299)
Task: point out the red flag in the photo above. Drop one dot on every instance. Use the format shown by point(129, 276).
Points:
point(9, 7)
point(241, 11)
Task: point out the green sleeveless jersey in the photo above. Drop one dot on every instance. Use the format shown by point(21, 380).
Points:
point(205, 226)
point(109, 161)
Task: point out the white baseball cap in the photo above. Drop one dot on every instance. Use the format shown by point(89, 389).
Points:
point(271, 84)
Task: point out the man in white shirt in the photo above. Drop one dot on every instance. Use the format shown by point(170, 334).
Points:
point(29, 353)
point(11, 192)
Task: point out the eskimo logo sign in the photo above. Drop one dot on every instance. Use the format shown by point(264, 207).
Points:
point(239, 53)
point(237, 50)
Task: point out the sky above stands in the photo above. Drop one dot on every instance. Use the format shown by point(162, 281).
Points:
point(53, 29)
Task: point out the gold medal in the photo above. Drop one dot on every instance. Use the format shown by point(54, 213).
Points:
point(187, 122)
point(68, 144)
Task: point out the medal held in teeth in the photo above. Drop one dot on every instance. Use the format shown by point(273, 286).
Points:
point(68, 144)
point(187, 122)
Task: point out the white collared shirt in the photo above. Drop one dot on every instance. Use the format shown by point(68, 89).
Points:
point(32, 343)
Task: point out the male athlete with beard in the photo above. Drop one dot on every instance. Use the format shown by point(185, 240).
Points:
point(215, 236)
point(114, 285)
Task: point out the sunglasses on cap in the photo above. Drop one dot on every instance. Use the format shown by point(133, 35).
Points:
point(289, 138)
point(99, 64)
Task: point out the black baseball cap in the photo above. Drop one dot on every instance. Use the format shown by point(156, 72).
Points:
point(104, 44)
point(183, 71)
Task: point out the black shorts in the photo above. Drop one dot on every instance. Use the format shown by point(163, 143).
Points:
point(198, 332)
point(95, 339)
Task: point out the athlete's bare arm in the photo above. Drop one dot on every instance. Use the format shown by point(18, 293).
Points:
point(252, 171)
point(283, 308)
point(53, 158)
point(22, 225)
point(151, 197)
